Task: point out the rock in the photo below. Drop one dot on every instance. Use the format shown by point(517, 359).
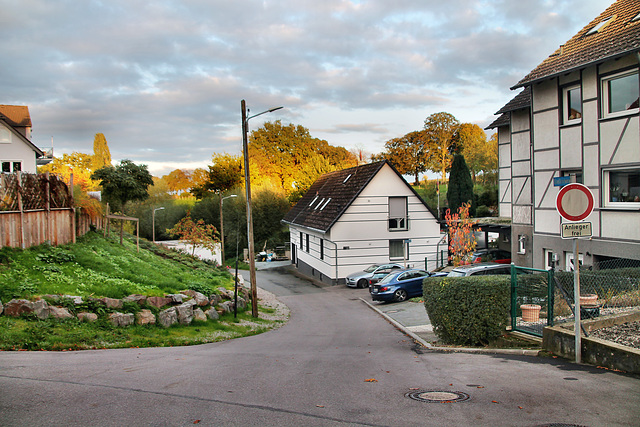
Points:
point(76, 299)
point(111, 302)
point(16, 307)
point(227, 306)
point(145, 317)
point(87, 317)
point(212, 314)
point(190, 302)
point(185, 313)
point(242, 303)
point(215, 299)
point(121, 319)
point(168, 317)
point(199, 315)
point(159, 302)
point(201, 300)
point(140, 299)
point(225, 293)
point(59, 312)
point(176, 298)
point(41, 309)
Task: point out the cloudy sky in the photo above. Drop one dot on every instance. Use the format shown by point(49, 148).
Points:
point(163, 79)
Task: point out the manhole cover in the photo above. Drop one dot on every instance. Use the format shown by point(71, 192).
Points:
point(438, 396)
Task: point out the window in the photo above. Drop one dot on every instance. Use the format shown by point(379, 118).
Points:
point(568, 266)
point(600, 25)
point(321, 248)
point(307, 244)
point(572, 105)
point(622, 188)
point(301, 242)
point(397, 213)
point(398, 249)
point(5, 136)
point(522, 244)
point(6, 167)
point(620, 94)
point(17, 166)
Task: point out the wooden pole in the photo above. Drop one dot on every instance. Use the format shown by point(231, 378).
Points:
point(20, 207)
point(47, 207)
point(73, 210)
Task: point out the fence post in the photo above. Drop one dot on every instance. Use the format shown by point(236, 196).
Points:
point(47, 207)
point(20, 207)
point(73, 210)
point(514, 296)
point(550, 297)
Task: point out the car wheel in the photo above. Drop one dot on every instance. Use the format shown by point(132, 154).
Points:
point(363, 283)
point(400, 295)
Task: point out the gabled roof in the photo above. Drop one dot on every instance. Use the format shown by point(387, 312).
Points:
point(16, 115)
point(520, 101)
point(330, 196)
point(619, 36)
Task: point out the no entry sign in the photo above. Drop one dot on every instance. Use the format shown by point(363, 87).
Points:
point(574, 202)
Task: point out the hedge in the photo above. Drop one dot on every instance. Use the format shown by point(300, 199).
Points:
point(468, 310)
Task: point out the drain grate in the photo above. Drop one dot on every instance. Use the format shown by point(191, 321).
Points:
point(435, 396)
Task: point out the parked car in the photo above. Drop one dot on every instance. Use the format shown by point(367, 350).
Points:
point(480, 269)
point(361, 279)
point(491, 255)
point(400, 285)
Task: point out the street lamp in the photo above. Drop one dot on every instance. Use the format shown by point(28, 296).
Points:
point(222, 226)
point(245, 150)
point(153, 222)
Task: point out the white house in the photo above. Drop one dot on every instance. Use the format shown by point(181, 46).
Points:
point(576, 117)
point(356, 217)
point(17, 152)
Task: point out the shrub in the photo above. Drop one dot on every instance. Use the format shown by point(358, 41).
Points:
point(468, 310)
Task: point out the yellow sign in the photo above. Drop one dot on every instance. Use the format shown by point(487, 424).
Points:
point(573, 230)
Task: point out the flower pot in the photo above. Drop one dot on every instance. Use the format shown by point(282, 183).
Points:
point(530, 312)
point(588, 299)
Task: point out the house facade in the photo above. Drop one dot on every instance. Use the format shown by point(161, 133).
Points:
point(17, 152)
point(576, 117)
point(356, 217)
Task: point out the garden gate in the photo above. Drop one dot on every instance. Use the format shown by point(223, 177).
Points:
point(532, 299)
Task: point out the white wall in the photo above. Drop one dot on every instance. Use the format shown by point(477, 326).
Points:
point(16, 150)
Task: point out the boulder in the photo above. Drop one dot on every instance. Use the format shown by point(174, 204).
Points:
point(190, 302)
point(140, 299)
point(87, 317)
point(59, 312)
point(200, 299)
point(199, 315)
point(185, 313)
point(215, 299)
point(41, 309)
point(159, 302)
point(227, 306)
point(145, 317)
point(176, 298)
point(168, 317)
point(121, 319)
point(212, 314)
point(225, 293)
point(16, 307)
point(242, 303)
point(76, 299)
point(111, 302)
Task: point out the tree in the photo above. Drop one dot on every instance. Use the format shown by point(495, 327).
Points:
point(195, 233)
point(178, 181)
point(101, 154)
point(460, 189)
point(407, 154)
point(462, 241)
point(123, 183)
point(78, 164)
point(440, 129)
point(479, 154)
point(225, 174)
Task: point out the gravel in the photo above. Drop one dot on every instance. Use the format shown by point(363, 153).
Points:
point(626, 334)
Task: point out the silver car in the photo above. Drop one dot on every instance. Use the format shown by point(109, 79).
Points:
point(361, 279)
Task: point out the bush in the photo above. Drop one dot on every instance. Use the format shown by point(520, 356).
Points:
point(468, 310)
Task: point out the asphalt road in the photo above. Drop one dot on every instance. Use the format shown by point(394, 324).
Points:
point(336, 362)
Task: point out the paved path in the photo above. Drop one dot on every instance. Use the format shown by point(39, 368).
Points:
point(336, 362)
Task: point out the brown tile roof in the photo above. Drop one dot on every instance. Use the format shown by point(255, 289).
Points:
point(16, 115)
point(330, 196)
point(520, 101)
point(617, 38)
point(503, 120)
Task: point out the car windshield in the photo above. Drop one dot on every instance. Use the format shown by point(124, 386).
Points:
point(371, 268)
point(388, 278)
point(455, 273)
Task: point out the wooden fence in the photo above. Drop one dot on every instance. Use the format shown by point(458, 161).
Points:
point(35, 209)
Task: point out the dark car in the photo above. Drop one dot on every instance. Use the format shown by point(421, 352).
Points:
point(400, 285)
point(491, 255)
point(483, 269)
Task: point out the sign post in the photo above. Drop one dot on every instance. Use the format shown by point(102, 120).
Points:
point(575, 203)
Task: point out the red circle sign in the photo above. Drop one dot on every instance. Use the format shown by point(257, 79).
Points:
point(574, 202)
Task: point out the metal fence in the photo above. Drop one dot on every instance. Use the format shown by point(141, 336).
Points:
point(532, 299)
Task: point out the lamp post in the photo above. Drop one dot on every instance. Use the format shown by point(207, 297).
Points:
point(245, 151)
point(153, 222)
point(222, 227)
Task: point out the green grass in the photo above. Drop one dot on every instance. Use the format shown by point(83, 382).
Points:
point(100, 267)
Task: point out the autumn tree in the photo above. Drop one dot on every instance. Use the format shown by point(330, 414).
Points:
point(460, 190)
point(195, 233)
point(225, 173)
point(439, 132)
point(462, 241)
point(408, 154)
point(178, 181)
point(123, 183)
point(480, 155)
point(101, 154)
point(78, 164)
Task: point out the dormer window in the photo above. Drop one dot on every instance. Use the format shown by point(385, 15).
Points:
point(600, 25)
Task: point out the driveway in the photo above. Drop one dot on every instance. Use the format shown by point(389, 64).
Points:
point(336, 362)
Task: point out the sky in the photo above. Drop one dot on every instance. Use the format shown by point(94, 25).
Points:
point(163, 79)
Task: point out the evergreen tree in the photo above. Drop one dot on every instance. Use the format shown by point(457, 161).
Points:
point(460, 186)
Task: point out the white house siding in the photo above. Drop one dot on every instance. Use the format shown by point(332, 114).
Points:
point(16, 150)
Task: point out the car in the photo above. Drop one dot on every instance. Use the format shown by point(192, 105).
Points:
point(360, 279)
point(481, 269)
point(491, 255)
point(400, 285)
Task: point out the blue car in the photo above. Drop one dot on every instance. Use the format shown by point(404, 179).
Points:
point(400, 285)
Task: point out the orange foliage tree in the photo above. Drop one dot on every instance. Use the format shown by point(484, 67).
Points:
point(195, 233)
point(462, 241)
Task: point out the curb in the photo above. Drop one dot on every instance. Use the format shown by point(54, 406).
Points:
point(419, 340)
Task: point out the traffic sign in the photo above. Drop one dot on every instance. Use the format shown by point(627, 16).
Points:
point(573, 230)
point(574, 202)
